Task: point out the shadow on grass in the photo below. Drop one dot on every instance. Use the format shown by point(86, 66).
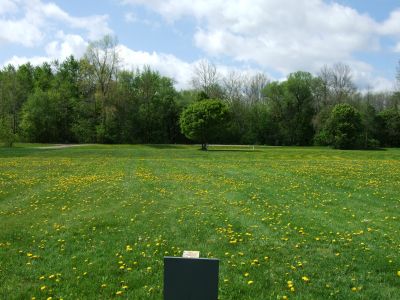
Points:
point(18, 152)
point(230, 150)
point(165, 146)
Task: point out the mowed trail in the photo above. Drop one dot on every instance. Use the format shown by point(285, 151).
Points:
point(62, 146)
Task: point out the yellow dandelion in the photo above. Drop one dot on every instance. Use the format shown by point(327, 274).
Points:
point(246, 274)
point(104, 285)
point(354, 289)
point(305, 279)
point(250, 282)
point(118, 293)
point(398, 273)
point(226, 280)
point(42, 288)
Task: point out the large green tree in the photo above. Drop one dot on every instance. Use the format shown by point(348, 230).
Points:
point(202, 120)
point(344, 127)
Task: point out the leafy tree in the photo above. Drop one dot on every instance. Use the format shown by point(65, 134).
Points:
point(389, 127)
point(66, 83)
point(43, 76)
point(291, 106)
point(370, 126)
point(7, 136)
point(157, 113)
point(102, 65)
point(299, 108)
point(9, 98)
point(344, 127)
point(41, 117)
point(202, 120)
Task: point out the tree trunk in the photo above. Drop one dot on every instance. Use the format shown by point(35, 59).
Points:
point(204, 146)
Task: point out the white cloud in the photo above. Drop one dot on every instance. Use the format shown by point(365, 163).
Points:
point(283, 35)
point(166, 64)
point(20, 32)
point(96, 26)
point(7, 6)
point(70, 44)
point(169, 65)
point(30, 22)
point(59, 49)
point(20, 60)
point(363, 76)
point(391, 26)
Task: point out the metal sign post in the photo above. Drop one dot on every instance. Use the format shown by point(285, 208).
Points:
point(190, 277)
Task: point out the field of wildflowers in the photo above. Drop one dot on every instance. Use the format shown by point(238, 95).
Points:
point(287, 223)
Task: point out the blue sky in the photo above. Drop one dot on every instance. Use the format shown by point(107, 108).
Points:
point(275, 37)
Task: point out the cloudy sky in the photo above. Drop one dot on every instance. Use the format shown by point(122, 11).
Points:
point(272, 36)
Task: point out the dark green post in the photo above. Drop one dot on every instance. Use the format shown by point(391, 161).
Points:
point(190, 278)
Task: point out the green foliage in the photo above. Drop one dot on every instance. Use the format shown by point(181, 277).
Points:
point(389, 127)
point(370, 123)
point(292, 108)
point(93, 101)
point(202, 120)
point(7, 136)
point(344, 127)
point(41, 116)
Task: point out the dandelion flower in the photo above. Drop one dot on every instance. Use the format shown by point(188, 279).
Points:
point(305, 278)
point(250, 282)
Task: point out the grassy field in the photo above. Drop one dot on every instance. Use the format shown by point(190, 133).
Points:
point(94, 222)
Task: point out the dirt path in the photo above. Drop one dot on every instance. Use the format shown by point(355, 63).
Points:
point(62, 146)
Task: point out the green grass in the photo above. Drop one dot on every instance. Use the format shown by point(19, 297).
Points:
point(87, 222)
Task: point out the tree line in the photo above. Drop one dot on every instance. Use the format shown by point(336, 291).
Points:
point(94, 100)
